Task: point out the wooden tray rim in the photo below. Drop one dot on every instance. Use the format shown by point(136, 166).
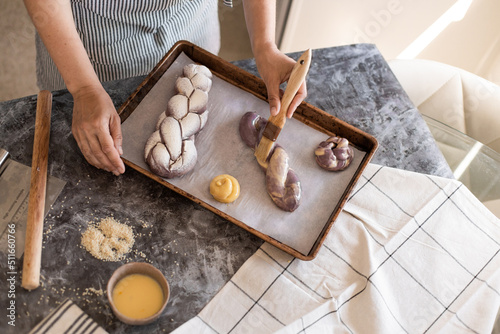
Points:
point(256, 86)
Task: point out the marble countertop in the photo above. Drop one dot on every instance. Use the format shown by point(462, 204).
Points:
point(197, 250)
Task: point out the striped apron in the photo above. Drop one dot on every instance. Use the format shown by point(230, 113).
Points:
point(127, 38)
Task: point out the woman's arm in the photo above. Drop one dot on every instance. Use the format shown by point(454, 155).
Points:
point(273, 66)
point(96, 125)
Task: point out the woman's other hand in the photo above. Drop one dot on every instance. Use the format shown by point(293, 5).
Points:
point(97, 129)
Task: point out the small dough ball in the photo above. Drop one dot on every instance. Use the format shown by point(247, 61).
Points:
point(225, 188)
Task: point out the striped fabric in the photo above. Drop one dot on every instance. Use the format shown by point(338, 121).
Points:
point(126, 38)
point(68, 318)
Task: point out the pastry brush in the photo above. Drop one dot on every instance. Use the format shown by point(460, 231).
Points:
point(276, 123)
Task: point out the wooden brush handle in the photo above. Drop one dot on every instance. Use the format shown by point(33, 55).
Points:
point(297, 76)
point(36, 204)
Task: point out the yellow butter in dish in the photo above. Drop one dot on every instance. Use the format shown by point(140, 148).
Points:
point(138, 296)
point(225, 188)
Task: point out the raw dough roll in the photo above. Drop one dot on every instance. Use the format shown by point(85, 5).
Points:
point(282, 183)
point(334, 154)
point(170, 151)
point(225, 188)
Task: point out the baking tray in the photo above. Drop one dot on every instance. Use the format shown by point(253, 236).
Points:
point(306, 116)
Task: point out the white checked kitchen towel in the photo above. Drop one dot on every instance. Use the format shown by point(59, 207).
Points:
point(410, 253)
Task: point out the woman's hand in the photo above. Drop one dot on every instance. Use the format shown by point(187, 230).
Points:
point(97, 129)
point(273, 65)
point(275, 68)
point(96, 125)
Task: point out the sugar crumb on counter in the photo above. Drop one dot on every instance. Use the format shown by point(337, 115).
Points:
point(108, 239)
point(145, 224)
point(93, 291)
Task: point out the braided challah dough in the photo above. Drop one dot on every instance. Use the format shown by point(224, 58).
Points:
point(282, 183)
point(170, 151)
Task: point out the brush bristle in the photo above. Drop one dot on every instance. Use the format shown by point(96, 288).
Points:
point(263, 149)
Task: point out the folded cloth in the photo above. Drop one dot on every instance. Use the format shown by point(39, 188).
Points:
point(410, 253)
point(68, 318)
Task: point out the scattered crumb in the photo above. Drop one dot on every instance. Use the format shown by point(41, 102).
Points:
point(108, 240)
point(93, 291)
point(144, 224)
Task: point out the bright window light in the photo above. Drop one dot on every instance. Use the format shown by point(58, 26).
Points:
point(454, 14)
point(465, 163)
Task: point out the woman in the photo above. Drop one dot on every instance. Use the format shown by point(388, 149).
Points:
point(90, 41)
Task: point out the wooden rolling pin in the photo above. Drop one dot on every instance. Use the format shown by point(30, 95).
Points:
point(36, 203)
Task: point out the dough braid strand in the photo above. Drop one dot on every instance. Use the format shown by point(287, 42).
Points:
point(282, 183)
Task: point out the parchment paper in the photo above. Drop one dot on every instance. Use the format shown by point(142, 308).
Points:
point(221, 151)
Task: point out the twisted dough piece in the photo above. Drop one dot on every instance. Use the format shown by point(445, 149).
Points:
point(334, 154)
point(170, 150)
point(282, 183)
